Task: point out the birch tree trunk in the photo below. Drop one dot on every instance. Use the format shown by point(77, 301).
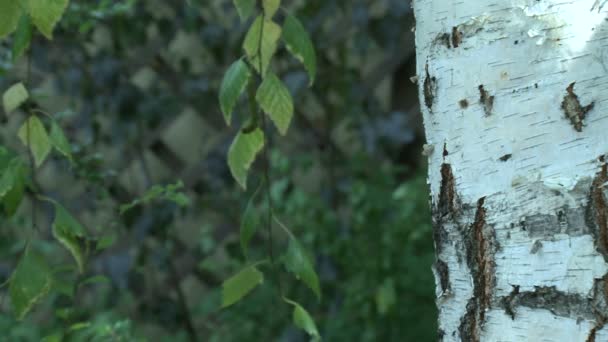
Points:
point(514, 95)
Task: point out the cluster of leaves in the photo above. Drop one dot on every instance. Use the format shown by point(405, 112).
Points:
point(21, 15)
point(274, 99)
point(272, 95)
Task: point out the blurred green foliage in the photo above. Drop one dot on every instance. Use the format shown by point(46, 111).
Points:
point(134, 84)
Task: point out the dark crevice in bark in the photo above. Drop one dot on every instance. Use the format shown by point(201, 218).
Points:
point(573, 109)
point(443, 212)
point(600, 307)
point(447, 193)
point(444, 276)
point(430, 88)
point(599, 208)
point(468, 328)
point(480, 248)
point(597, 218)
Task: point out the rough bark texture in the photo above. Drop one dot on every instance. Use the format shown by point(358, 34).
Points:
point(515, 94)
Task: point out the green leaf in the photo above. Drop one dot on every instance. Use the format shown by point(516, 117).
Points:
point(245, 8)
point(9, 175)
point(12, 185)
point(23, 36)
point(29, 283)
point(14, 97)
point(59, 141)
point(9, 16)
point(271, 7)
point(297, 262)
point(33, 131)
point(242, 153)
point(249, 222)
point(300, 45)
point(69, 232)
point(303, 320)
point(234, 82)
point(275, 100)
point(270, 33)
point(239, 285)
point(46, 14)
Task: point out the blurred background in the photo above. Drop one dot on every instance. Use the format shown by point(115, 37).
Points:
point(135, 84)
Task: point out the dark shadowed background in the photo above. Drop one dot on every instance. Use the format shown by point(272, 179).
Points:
point(135, 85)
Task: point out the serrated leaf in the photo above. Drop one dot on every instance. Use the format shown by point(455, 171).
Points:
point(243, 152)
point(249, 222)
point(271, 7)
point(23, 36)
point(234, 83)
point(46, 14)
point(244, 8)
point(297, 262)
point(29, 283)
point(33, 131)
point(68, 231)
point(270, 33)
point(239, 285)
point(14, 97)
point(275, 100)
point(59, 141)
point(9, 16)
point(303, 320)
point(300, 45)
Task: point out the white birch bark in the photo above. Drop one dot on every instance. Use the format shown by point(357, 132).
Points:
point(514, 95)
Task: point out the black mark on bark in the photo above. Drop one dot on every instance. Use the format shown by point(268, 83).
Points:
point(486, 100)
point(430, 88)
point(456, 37)
point(508, 302)
point(536, 246)
point(573, 109)
point(443, 39)
point(464, 104)
point(505, 157)
point(566, 220)
point(560, 303)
